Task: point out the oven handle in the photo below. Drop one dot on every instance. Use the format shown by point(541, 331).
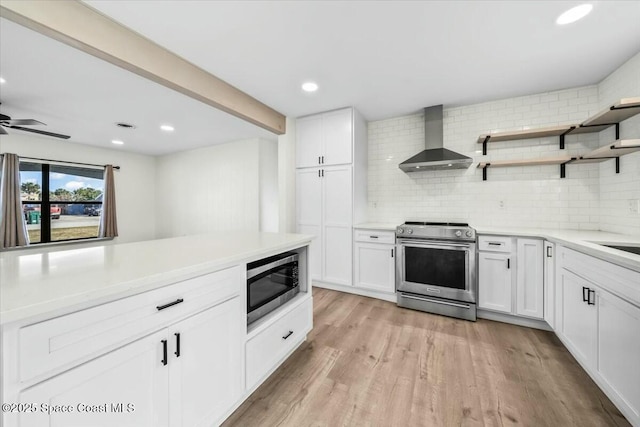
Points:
point(413, 243)
point(453, 304)
point(259, 270)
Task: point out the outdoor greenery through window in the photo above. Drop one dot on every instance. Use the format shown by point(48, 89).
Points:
point(72, 196)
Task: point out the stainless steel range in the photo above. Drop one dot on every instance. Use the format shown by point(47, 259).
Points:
point(436, 268)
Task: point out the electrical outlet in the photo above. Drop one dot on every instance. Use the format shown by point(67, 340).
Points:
point(501, 204)
point(634, 206)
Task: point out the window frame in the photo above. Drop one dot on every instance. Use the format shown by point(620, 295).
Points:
point(45, 206)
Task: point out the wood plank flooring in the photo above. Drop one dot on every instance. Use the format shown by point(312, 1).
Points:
point(369, 363)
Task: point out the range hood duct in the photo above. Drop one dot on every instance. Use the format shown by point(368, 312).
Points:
point(434, 156)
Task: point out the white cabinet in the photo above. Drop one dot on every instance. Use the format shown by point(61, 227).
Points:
point(579, 316)
point(205, 365)
point(495, 281)
point(530, 278)
point(375, 262)
point(189, 374)
point(549, 284)
point(331, 190)
point(598, 319)
point(132, 376)
point(325, 139)
point(511, 281)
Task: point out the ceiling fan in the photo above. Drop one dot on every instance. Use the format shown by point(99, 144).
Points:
point(18, 124)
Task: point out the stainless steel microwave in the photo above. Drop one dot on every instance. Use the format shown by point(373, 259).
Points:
point(271, 282)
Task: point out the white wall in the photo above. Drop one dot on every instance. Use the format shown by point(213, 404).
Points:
point(210, 189)
point(134, 182)
point(618, 192)
point(287, 178)
point(268, 186)
point(532, 196)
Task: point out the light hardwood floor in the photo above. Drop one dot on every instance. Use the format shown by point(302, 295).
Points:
point(369, 363)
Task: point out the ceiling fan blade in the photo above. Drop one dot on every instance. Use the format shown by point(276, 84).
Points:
point(2, 131)
point(41, 132)
point(22, 122)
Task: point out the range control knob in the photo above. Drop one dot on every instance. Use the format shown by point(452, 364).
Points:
point(469, 233)
point(400, 230)
point(458, 233)
point(409, 231)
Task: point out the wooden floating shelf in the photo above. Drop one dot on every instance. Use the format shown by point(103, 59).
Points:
point(620, 111)
point(614, 150)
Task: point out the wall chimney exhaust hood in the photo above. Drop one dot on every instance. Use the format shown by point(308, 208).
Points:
point(434, 157)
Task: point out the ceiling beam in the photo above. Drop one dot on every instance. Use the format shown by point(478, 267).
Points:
point(78, 25)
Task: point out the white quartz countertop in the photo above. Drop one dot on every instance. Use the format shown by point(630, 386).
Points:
point(33, 284)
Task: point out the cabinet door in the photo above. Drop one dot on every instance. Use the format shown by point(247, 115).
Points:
point(549, 284)
point(336, 225)
point(375, 267)
point(309, 215)
point(127, 387)
point(337, 137)
point(495, 280)
point(578, 323)
point(308, 141)
point(530, 279)
point(206, 379)
point(619, 347)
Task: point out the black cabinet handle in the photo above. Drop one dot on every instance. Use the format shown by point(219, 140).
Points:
point(549, 252)
point(318, 173)
point(589, 301)
point(391, 253)
point(323, 173)
point(162, 307)
point(319, 160)
point(323, 160)
point(164, 353)
point(177, 352)
point(508, 263)
point(288, 335)
point(585, 298)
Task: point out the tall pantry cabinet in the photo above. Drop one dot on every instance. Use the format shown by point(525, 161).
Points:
point(331, 190)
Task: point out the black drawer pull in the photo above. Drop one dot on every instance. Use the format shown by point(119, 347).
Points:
point(162, 307)
point(589, 301)
point(585, 298)
point(373, 237)
point(177, 352)
point(495, 244)
point(164, 353)
point(288, 335)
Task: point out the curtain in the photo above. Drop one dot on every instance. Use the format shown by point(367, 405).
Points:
point(108, 221)
point(13, 229)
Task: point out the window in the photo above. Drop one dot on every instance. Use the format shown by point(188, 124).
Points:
point(71, 195)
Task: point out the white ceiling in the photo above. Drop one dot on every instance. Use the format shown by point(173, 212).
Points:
point(389, 58)
point(83, 96)
point(385, 58)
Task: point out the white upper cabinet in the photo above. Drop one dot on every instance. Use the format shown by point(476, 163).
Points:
point(325, 139)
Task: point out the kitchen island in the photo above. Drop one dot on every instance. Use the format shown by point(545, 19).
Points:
point(148, 333)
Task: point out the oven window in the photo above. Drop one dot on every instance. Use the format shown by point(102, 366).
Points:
point(269, 285)
point(437, 267)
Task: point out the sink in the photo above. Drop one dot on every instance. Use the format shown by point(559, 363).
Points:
point(630, 249)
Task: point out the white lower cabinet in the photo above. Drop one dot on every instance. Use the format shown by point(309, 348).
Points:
point(511, 281)
point(495, 281)
point(375, 260)
point(189, 374)
point(601, 329)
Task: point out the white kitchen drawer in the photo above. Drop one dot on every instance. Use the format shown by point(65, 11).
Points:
point(375, 236)
point(64, 341)
point(267, 348)
point(495, 243)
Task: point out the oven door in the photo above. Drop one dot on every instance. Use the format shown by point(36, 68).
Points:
point(438, 269)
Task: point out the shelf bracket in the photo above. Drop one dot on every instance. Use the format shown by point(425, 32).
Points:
point(562, 136)
point(484, 172)
point(563, 170)
point(484, 145)
point(617, 131)
point(617, 164)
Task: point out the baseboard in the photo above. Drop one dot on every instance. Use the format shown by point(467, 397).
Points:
point(514, 320)
point(357, 291)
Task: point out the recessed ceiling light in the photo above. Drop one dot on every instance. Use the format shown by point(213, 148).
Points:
point(574, 14)
point(117, 142)
point(309, 87)
point(167, 128)
point(2, 81)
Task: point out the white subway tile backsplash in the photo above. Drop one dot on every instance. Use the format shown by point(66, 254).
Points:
point(591, 197)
